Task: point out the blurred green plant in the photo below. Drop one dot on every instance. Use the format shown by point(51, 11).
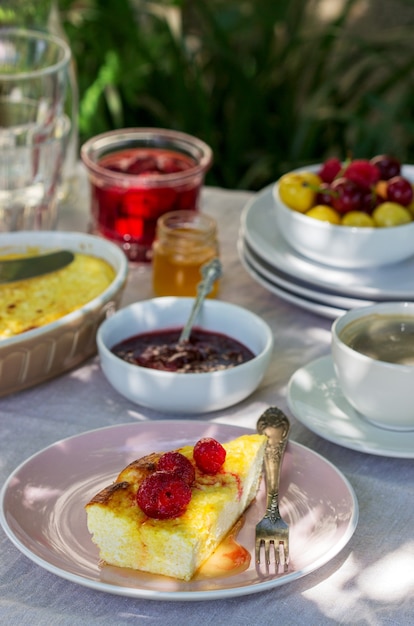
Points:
point(25, 13)
point(269, 85)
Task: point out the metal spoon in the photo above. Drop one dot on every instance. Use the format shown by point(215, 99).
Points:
point(210, 272)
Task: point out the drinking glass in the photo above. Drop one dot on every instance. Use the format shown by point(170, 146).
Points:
point(138, 174)
point(34, 127)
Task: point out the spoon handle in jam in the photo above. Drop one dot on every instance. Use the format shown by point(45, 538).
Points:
point(210, 272)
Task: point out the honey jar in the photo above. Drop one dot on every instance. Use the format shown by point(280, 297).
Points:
point(184, 241)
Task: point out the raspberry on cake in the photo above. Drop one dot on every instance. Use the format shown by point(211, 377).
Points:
point(194, 517)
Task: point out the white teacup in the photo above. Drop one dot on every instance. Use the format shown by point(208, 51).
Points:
point(373, 355)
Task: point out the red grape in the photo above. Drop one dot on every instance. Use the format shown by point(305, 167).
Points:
point(324, 195)
point(363, 173)
point(399, 190)
point(346, 195)
point(330, 169)
point(388, 166)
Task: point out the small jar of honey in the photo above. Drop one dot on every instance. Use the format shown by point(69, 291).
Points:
point(184, 241)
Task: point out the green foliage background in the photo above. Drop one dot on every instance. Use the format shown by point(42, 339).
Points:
point(269, 84)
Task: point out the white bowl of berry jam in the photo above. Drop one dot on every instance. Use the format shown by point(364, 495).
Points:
point(349, 215)
point(223, 362)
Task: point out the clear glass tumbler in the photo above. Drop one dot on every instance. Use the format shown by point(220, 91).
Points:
point(45, 15)
point(34, 127)
point(138, 174)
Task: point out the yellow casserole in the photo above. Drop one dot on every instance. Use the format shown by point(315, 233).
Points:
point(35, 302)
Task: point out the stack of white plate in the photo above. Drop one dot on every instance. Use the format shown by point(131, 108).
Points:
point(325, 290)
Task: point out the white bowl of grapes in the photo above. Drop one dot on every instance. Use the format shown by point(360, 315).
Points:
point(357, 213)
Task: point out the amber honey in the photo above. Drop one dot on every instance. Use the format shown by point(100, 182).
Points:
point(185, 241)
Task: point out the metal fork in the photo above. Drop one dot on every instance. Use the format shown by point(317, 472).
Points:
point(272, 530)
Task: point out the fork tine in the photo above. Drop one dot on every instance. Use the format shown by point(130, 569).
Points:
point(277, 554)
point(286, 552)
point(267, 551)
point(283, 549)
point(258, 548)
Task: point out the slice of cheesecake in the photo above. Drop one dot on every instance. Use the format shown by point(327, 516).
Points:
point(176, 547)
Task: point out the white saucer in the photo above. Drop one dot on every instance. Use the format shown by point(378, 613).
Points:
point(304, 303)
point(297, 287)
point(315, 399)
point(260, 231)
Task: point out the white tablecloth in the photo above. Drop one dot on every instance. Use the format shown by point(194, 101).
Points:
point(370, 582)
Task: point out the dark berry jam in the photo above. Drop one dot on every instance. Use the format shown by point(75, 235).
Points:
point(205, 351)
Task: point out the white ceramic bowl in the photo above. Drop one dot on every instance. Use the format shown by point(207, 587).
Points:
point(344, 246)
point(382, 392)
point(185, 393)
point(37, 355)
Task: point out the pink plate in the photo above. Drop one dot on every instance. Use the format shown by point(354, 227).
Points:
point(42, 510)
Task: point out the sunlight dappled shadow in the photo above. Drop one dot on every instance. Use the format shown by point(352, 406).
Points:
point(391, 579)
